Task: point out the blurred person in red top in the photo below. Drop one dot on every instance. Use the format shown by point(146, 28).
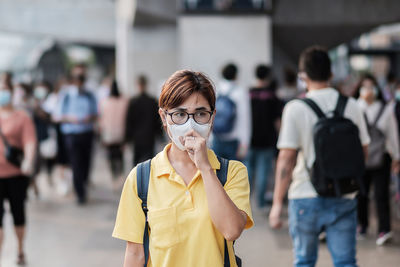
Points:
point(17, 131)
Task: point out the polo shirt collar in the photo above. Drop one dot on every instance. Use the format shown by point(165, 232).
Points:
point(164, 167)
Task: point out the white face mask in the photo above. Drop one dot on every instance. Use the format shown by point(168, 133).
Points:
point(176, 131)
point(364, 91)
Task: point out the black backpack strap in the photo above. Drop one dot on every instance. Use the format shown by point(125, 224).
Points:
point(341, 105)
point(381, 110)
point(222, 175)
point(142, 180)
point(314, 107)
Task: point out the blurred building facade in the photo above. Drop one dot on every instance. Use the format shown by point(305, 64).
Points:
point(157, 37)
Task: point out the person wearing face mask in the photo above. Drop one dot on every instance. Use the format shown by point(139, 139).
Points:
point(193, 218)
point(77, 114)
point(383, 156)
point(17, 132)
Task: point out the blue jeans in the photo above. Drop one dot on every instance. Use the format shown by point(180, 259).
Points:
point(259, 166)
point(225, 149)
point(309, 217)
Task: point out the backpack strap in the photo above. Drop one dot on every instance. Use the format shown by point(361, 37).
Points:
point(142, 180)
point(341, 105)
point(222, 175)
point(381, 110)
point(314, 107)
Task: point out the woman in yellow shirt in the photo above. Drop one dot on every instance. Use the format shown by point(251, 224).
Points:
point(193, 219)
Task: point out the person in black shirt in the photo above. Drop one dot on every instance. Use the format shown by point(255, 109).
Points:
point(142, 123)
point(266, 112)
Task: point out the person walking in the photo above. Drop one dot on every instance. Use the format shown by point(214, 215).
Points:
point(112, 116)
point(383, 157)
point(231, 131)
point(193, 217)
point(266, 111)
point(322, 146)
point(77, 114)
point(143, 124)
point(17, 155)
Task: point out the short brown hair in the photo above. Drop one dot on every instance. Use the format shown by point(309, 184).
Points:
point(182, 84)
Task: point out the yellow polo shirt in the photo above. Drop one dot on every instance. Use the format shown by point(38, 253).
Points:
point(182, 233)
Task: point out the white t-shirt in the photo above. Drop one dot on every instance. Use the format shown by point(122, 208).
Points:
point(298, 121)
point(387, 123)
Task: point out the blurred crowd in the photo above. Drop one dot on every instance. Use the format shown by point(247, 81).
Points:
point(55, 126)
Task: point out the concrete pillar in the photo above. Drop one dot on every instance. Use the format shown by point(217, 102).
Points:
point(209, 42)
point(125, 13)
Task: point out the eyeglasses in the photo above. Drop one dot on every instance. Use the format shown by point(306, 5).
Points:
point(181, 117)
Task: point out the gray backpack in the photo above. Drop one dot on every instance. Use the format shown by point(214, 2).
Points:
point(377, 147)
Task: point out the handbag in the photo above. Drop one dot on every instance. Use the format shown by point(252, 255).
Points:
point(48, 148)
point(13, 155)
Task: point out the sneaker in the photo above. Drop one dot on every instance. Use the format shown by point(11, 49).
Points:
point(383, 238)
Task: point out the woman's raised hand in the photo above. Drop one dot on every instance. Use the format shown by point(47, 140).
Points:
point(196, 147)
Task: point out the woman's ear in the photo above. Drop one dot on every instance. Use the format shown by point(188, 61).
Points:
point(162, 116)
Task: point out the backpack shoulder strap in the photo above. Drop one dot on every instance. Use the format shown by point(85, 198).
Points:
point(65, 102)
point(222, 175)
point(381, 110)
point(142, 180)
point(341, 105)
point(314, 107)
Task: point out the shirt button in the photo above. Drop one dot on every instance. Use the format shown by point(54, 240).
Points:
point(187, 192)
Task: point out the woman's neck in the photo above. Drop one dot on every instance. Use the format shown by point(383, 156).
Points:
point(175, 154)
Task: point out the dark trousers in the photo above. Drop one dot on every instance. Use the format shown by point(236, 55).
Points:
point(116, 159)
point(14, 190)
point(380, 179)
point(142, 152)
point(79, 148)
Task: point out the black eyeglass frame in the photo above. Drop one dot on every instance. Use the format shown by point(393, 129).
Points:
point(210, 112)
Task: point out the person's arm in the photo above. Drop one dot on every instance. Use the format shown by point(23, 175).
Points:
point(226, 216)
point(134, 255)
point(28, 162)
point(284, 168)
point(29, 142)
point(243, 124)
point(392, 142)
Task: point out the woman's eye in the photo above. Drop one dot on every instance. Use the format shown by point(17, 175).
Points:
point(180, 114)
point(201, 114)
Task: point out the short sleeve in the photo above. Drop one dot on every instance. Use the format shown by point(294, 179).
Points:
point(289, 134)
point(130, 222)
point(28, 131)
point(238, 189)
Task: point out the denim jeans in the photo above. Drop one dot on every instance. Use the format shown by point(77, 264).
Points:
point(336, 216)
point(259, 166)
point(225, 149)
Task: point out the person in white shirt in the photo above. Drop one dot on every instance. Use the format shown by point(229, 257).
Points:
point(234, 144)
point(309, 213)
point(380, 116)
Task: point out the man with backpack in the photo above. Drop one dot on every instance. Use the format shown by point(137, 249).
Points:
point(323, 143)
point(231, 129)
point(77, 114)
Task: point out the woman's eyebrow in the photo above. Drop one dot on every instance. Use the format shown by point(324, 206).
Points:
point(185, 109)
